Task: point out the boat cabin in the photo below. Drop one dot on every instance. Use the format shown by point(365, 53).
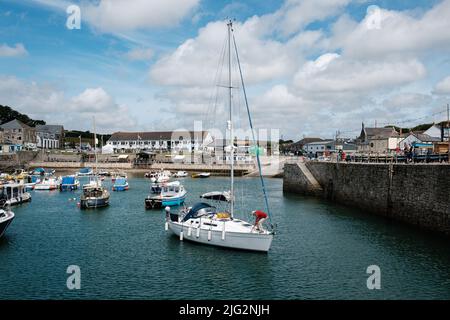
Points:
point(93, 192)
point(13, 194)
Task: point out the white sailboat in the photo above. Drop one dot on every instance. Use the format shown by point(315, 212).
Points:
point(94, 194)
point(205, 223)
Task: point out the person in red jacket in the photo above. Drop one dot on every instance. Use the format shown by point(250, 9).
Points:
point(260, 218)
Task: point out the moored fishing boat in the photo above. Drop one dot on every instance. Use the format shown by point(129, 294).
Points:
point(94, 196)
point(14, 194)
point(69, 183)
point(156, 188)
point(172, 194)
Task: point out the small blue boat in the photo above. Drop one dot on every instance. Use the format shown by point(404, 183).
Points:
point(69, 183)
point(120, 184)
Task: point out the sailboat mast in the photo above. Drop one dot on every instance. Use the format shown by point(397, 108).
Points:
point(95, 147)
point(230, 125)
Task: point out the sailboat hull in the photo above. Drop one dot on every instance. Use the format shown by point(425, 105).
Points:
point(234, 240)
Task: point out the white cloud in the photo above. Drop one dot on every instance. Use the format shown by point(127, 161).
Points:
point(333, 73)
point(125, 15)
point(317, 81)
point(409, 100)
point(443, 87)
point(44, 101)
point(140, 54)
point(338, 89)
point(400, 33)
point(16, 51)
point(195, 61)
point(294, 15)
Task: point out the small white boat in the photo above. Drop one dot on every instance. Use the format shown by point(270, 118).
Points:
point(181, 174)
point(160, 177)
point(201, 175)
point(47, 184)
point(6, 217)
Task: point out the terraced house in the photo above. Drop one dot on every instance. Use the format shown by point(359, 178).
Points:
point(157, 141)
point(19, 134)
point(50, 136)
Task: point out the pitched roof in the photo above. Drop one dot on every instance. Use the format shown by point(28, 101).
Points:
point(381, 132)
point(50, 128)
point(425, 137)
point(15, 124)
point(307, 140)
point(156, 135)
point(320, 142)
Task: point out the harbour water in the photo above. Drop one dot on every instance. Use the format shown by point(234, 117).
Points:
point(321, 251)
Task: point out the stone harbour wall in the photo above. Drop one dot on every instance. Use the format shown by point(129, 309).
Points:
point(417, 194)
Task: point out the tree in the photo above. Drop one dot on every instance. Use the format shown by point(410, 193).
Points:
point(7, 114)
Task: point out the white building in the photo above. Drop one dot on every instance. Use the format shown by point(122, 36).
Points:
point(50, 136)
point(319, 147)
point(173, 141)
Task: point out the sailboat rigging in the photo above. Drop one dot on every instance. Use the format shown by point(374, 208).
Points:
point(205, 223)
point(94, 194)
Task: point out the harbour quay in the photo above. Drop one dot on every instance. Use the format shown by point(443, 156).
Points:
point(416, 194)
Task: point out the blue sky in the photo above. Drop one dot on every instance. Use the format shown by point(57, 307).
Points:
point(311, 66)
